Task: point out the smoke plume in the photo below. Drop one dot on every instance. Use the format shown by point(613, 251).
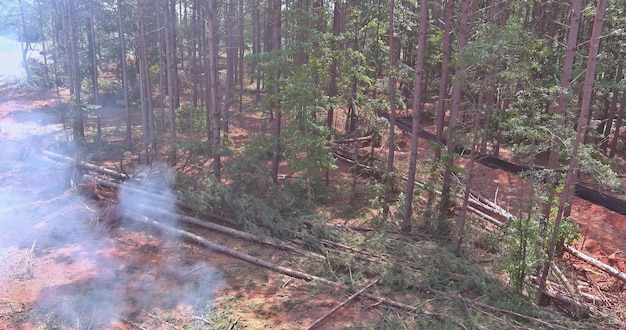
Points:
point(84, 276)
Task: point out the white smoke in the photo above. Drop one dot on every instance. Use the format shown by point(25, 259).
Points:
point(150, 194)
point(39, 208)
point(11, 69)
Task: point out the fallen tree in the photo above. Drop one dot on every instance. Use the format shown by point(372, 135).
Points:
point(88, 166)
point(479, 203)
point(269, 265)
point(312, 278)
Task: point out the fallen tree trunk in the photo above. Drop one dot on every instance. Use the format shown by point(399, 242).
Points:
point(242, 234)
point(359, 139)
point(599, 264)
point(271, 266)
point(87, 166)
point(220, 248)
point(491, 206)
point(149, 195)
point(209, 225)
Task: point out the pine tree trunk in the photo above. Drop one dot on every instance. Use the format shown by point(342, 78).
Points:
point(231, 54)
point(256, 47)
point(91, 39)
point(242, 47)
point(144, 83)
point(214, 96)
point(417, 105)
point(79, 128)
point(392, 112)
point(122, 40)
point(612, 108)
point(445, 73)
point(275, 14)
point(171, 65)
point(562, 102)
point(618, 125)
point(455, 105)
point(25, 43)
point(581, 131)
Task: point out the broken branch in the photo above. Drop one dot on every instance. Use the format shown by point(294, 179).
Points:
point(336, 308)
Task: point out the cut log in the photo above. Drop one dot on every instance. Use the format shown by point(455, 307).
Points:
point(156, 199)
point(491, 206)
point(85, 165)
point(597, 263)
point(359, 139)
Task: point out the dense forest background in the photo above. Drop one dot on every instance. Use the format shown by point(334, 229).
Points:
point(540, 83)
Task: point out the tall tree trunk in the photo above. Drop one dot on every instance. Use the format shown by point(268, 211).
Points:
point(214, 97)
point(256, 47)
point(607, 125)
point(242, 47)
point(618, 125)
point(171, 65)
point(332, 86)
point(44, 51)
point(145, 86)
point(275, 14)
point(352, 117)
point(445, 73)
point(455, 107)
point(122, 40)
point(174, 53)
point(417, 105)
point(560, 112)
point(93, 52)
point(498, 14)
point(74, 68)
point(193, 61)
point(392, 112)
point(231, 57)
point(460, 232)
point(581, 130)
point(24, 42)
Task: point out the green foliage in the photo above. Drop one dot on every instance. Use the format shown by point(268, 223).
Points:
point(601, 172)
point(40, 76)
point(192, 151)
point(110, 87)
point(518, 255)
point(251, 198)
point(406, 265)
point(187, 112)
point(524, 240)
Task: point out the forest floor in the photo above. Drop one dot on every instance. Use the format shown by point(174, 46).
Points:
point(60, 268)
